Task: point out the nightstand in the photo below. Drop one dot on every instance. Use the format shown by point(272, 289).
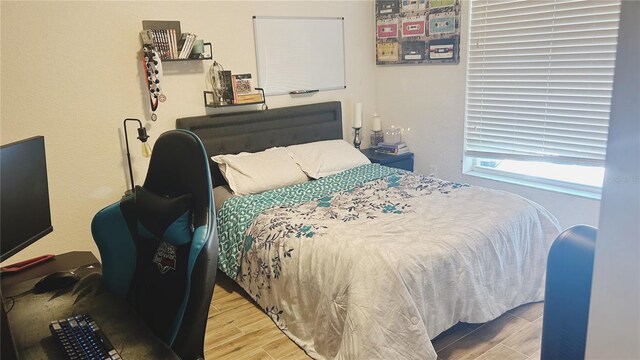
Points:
point(403, 161)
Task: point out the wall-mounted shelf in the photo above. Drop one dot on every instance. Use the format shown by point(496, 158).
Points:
point(230, 105)
point(166, 36)
point(211, 104)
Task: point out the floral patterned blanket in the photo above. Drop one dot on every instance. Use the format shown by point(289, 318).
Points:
point(239, 211)
point(374, 262)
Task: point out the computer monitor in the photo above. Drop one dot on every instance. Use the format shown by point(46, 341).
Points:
point(25, 215)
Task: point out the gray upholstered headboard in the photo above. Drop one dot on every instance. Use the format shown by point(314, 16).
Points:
point(259, 130)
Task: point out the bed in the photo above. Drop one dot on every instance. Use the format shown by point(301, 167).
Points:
point(372, 262)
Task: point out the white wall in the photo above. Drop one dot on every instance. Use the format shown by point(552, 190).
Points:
point(614, 314)
point(71, 72)
point(429, 100)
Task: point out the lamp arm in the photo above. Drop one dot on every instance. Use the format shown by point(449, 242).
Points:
point(126, 140)
point(264, 99)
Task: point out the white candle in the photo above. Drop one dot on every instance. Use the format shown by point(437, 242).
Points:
point(377, 122)
point(357, 115)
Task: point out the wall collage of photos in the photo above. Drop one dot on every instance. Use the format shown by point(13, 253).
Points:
point(417, 32)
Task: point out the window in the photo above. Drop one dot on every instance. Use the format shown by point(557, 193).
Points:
point(539, 83)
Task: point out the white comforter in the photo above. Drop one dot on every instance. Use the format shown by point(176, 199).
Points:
point(377, 271)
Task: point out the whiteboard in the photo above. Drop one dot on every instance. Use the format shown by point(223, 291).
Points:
point(299, 53)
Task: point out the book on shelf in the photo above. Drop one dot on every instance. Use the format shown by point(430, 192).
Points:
point(392, 149)
point(173, 43)
point(181, 42)
point(187, 40)
point(170, 41)
point(160, 40)
point(393, 146)
point(166, 43)
point(185, 45)
point(155, 37)
point(187, 50)
point(249, 98)
point(392, 152)
point(241, 84)
point(226, 89)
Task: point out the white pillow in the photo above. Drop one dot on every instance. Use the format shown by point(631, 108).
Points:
point(252, 173)
point(324, 158)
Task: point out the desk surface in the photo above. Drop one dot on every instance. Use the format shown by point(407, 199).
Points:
point(61, 262)
point(31, 313)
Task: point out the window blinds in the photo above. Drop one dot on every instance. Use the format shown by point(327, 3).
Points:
point(539, 79)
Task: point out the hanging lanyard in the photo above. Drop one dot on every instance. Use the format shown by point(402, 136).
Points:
point(153, 72)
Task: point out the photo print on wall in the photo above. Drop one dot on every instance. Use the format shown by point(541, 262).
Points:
point(417, 32)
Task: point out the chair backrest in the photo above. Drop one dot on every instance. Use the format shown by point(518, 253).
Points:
point(159, 247)
point(568, 294)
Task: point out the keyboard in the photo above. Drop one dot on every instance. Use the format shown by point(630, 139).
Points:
point(81, 338)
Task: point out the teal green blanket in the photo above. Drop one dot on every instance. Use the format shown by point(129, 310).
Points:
point(237, 213)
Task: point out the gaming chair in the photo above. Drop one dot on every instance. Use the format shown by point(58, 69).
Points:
point(568, 294)
point(159, 246)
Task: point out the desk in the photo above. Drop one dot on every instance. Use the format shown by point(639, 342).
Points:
point(30, 316)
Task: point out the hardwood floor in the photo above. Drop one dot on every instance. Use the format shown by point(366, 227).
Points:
point(238, 329)
point(515, 335)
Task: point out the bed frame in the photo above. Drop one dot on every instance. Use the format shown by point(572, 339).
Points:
point(259, 130)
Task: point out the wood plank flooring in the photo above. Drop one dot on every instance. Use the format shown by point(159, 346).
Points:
point(238, 329)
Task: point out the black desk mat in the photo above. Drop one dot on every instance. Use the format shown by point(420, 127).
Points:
point(30, 314)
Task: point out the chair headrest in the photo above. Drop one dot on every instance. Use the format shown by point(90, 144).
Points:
point(163, 218)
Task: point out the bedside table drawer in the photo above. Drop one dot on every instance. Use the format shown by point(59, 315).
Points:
point(404, 164)
point(404, 161)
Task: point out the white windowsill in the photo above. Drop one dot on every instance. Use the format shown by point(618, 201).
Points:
point(504, 177)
